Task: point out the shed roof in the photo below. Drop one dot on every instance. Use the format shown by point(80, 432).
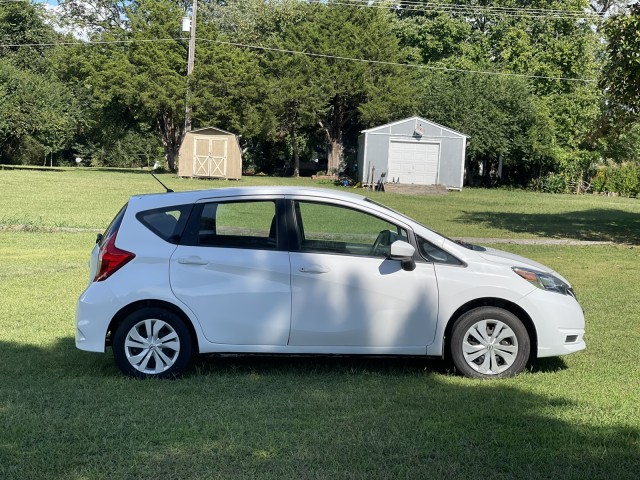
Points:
point(214, 129)
point(421, 119)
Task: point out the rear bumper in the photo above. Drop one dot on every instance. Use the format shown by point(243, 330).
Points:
point(94, 311)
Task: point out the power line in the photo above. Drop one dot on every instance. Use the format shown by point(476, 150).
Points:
point(406, 65)
point(469, 10)
point(476, 6)
point(309, 54)
point(91, 42)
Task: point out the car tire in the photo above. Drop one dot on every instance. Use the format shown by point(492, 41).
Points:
point(489, 342)
point(152, 343)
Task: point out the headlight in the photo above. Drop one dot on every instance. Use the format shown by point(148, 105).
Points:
point(545, 281)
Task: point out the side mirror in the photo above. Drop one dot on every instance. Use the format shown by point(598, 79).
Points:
point(98, 238)
point(401, 250)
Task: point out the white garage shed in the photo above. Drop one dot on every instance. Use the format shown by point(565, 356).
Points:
point(412, 151)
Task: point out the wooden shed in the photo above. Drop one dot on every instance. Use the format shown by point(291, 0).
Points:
point(210, 153)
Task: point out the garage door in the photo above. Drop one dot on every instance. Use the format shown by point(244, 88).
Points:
point(412, 162)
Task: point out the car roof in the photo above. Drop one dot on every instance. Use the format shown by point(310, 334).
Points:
point(194, 195)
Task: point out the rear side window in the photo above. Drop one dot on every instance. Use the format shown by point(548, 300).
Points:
point(167, 222)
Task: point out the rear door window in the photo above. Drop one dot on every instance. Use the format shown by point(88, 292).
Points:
point(234, 224)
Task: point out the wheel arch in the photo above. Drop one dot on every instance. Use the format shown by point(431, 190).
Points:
point(507, 305)
point(127, 310)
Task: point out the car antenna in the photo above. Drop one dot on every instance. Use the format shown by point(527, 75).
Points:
point(158, 180)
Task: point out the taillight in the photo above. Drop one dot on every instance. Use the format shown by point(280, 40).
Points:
point(111, 259)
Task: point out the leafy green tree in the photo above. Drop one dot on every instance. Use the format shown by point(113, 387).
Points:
point(503, 120)
point(326, 95)
point(621, 73)
point(521, 120)
point(295, 97)
point(141, 70)
point(357, 94)
point(25, 37)
point(33, 108)
point(38, 114)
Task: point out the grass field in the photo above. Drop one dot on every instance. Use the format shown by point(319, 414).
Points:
point(67, 414)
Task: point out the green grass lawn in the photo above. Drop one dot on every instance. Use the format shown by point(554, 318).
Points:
point(67, 414)
point(89, 199)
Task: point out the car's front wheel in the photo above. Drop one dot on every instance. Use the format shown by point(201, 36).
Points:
point(152, 342)
point(489, 342)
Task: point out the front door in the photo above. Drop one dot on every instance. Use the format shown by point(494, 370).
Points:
point(345, 292)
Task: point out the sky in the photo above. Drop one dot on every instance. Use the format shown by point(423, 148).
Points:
point(52, 6)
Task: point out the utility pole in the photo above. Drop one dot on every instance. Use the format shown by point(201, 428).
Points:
point(190, 62)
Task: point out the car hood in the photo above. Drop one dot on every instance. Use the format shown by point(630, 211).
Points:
point(513, 260)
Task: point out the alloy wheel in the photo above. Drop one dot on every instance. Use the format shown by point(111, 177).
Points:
point(152, 346)
point(490, 347)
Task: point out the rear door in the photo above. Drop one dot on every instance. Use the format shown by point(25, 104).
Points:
point(232, 270)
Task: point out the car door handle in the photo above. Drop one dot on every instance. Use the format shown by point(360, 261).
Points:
point(193, 260)
point(314, 269)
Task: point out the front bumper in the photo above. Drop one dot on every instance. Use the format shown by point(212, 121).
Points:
point(559, 322)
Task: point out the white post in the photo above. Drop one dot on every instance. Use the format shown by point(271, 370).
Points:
point(190, 62)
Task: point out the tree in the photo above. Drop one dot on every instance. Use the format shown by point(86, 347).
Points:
point(358, 94)
point(33, 108)
point(621, 72)
point(513, 115)
point(320, 93)
point(503, 120)
point(25, 37)
point(141, 69)
point(38, 114)
point(295, 97)
point(228, 90)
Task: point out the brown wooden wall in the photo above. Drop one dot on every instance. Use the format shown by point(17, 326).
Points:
point(210, 153)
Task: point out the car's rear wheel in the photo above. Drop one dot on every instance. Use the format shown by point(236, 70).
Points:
point(152, 342)
point(489, 342)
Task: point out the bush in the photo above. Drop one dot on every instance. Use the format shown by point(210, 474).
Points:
point(599, 181)
point(551, 183)
point(622, 179)
point(625, 180)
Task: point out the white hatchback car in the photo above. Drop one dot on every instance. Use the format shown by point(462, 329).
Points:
point(311, 271)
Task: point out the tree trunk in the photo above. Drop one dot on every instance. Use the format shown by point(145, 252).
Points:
point(171, 132)
point(335, 155)
point(333, 132)
point(171, 156)
point(296, 157)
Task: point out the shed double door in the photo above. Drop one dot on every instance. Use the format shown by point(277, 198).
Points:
point(414, 162)
point(210, 156)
